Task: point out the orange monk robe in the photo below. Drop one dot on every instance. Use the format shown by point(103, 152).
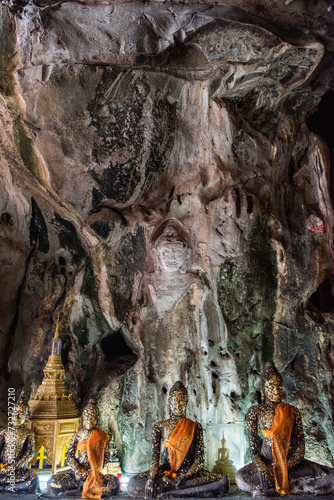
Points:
point(179, 444)
point(280, 434)
point(95, 446)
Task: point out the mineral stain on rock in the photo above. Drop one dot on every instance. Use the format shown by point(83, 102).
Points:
point(89, 289)
point(25, 146)
point(129, 260)
point(68, 238)
point(80, 331)
point(136, 128)
point(117, 114)
point(247, 290)
point(102, 228)
point(8, 49)
point(163, 138)
point(38, 229)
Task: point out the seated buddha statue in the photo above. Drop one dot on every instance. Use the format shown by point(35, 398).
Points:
point(278, 459)
point(93, 449)
point(181, 472)
point(17, 447)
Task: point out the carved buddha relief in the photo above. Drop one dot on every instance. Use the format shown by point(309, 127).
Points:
point(176, 308)
point(172, 276)
point(173, 255)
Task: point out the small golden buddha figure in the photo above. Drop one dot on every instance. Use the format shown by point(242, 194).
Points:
point(17, 447)
point(93, 447)
point(278, 459)
point(181, 472)
point(224, 465)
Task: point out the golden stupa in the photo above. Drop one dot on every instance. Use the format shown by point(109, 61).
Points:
point(53, 414)
point(224, 465)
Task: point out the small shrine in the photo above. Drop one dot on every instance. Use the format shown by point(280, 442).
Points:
point(113, 466)
point(224, 465)
point(53, 414)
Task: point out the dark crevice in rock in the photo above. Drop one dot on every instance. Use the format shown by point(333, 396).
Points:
point(68, 238)
point(62, 265)
point(7, 219)
point(97, 198)
point(114, 345)
point(214, 382)
point(119, 356)
point(238, 203)
point(329, 358)
point(38, 231)
point(101, 228)
point(106, 204)
point(168, 205)
point(12, 330)
point(323, 298)
point(62, 297)
point(66, 349)
point(250, 204)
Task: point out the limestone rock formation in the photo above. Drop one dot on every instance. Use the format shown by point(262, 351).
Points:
point(166, 184)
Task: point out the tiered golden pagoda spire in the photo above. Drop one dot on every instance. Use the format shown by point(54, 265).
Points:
point(53, 414)
point(52, 399)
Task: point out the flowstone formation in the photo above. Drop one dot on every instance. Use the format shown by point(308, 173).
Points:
point(166, 186)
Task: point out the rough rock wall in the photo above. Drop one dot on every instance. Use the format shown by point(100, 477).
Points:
point(163, 179)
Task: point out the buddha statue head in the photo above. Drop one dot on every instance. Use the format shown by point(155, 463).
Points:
point(178, 399)
point(21, 411)
point(271, 384)
point(90, 415)
point(171, 247)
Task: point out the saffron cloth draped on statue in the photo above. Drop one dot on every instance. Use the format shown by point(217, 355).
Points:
point(179, 444)
point(280, 434)
point(95, 446)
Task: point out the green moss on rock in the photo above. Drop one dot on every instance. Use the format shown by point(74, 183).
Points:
point(89, 289)
point(120, 287)
point(129, 260)
point(7, 52)
point(80, 331)
point(25, 146)
point(23, 141)
point(247, 297)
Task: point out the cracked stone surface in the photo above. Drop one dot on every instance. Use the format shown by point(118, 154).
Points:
point(167, 186)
